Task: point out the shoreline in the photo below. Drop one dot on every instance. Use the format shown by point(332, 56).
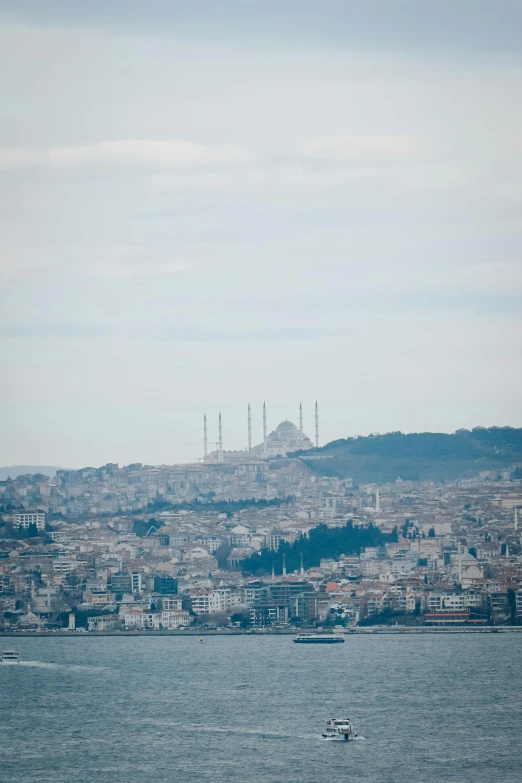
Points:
point(372, 631)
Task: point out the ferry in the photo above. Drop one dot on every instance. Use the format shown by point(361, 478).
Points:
point(319, 638)
point(9, 656)
point(339, 729)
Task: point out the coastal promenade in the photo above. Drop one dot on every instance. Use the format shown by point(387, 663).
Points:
point(379, 630)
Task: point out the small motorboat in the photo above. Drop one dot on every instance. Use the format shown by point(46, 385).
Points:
point(339, 729)
point(10, 656)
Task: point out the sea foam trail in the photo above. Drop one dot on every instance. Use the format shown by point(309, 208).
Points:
point(65, 666)
point(228, 730)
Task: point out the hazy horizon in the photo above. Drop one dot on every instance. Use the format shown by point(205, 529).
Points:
point(202, 208)
point(17, 469)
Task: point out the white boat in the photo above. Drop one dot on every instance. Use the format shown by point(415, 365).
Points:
point(319, 638)
point(9, 656)
point(339, 729)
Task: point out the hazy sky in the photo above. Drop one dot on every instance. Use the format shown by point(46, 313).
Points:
point(207, 204)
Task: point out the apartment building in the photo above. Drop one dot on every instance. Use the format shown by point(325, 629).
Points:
point(23, 519)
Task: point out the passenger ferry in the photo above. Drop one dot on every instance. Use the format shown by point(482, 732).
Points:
point(339, 729)
point(319, 638)
point(9, 656)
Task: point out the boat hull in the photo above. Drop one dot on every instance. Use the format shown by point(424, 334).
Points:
point(318, 641)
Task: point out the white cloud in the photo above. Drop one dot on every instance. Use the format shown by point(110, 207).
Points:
point(148, 151)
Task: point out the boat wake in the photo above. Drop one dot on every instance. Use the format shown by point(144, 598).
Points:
point(191, 727)
point(66, 667)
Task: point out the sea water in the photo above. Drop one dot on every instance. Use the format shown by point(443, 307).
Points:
point(251, 710)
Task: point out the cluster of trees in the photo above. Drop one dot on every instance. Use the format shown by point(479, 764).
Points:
point(20, 533)
point(141, 526)
point(321, 542)
point(9, 507)
point(216, 620)
point(391, 617)
point(463, 444)
point(414, 532)
point(423, 455)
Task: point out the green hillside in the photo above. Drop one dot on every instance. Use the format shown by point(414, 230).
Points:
point(431, 456)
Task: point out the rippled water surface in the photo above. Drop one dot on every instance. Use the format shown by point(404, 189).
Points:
point(101, 710)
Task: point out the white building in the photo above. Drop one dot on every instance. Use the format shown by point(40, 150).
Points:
point(64, 564)
point(273, 539)
point(442, 601)
point(169, 620)
point(254, 592)
point(240, 536)
point(176, 619)
point(25, 518)
point(137, 618)
point(171, 604)
point(214, 601)
point(108, 623)
point(211, 544)
point(136, 582)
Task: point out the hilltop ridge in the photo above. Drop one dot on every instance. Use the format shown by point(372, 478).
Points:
point(430, 456)
point(13, 471)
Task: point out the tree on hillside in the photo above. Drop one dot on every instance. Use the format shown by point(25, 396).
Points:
point(321, 542)
point(221, 554)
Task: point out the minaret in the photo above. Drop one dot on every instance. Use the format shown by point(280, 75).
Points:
point(264, 431)
point(205, 438)
point(316, 425)
point(284, 565)
point(220, 441)
point(516, 519)
point(302, 566)
point(377, 502)
point(249, 429)
point(301, 419)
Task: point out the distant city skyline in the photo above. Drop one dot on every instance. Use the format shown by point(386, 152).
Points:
point(203, 206)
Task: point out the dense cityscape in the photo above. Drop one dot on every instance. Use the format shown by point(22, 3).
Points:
point(249, 541)
point(261, 433)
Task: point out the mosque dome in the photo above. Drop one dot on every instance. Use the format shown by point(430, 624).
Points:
point(286, 429)
point(286, 438)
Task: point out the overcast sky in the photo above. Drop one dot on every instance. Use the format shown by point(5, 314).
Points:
point(207, 204)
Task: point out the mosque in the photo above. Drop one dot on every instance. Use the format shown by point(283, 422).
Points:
point(285, 439)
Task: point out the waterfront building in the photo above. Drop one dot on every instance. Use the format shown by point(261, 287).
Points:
point(107, 623)
point(172, 620)
point(268, 613)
